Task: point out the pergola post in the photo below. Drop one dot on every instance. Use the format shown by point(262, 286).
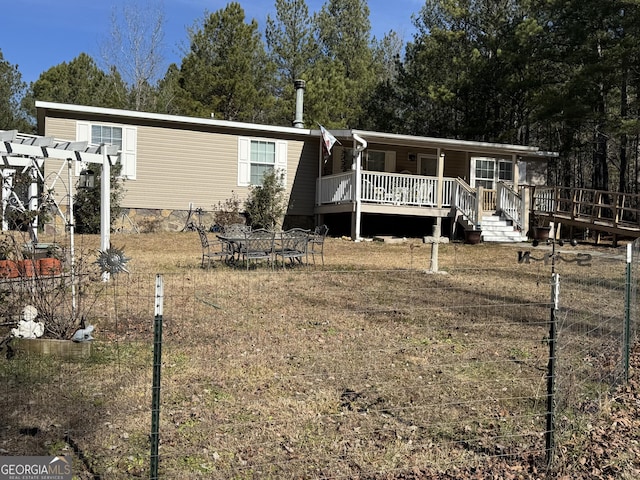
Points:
point(105, 205)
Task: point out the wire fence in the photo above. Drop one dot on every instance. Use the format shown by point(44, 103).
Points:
point(311, 373)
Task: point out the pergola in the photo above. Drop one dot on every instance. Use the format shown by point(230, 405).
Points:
point(29, 152)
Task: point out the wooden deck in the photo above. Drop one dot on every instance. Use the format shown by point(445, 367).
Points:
point(603, 212)
point(613, 213)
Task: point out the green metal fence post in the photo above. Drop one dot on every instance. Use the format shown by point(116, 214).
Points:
point(551, 369)
point(627, 315)
point(155, 394)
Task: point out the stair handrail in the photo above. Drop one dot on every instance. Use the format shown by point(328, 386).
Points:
point(466, 201)
point(509, 204)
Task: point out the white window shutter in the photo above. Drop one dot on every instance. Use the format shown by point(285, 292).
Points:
point(83, 132)
point(244, 166)
point(281, 159)
point(389, 161)
point(472, 172)
point(128, 153)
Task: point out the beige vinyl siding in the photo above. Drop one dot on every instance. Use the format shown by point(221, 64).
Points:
point(302, 166)
point(456, 164)
point(62, 129)
point(177, 167)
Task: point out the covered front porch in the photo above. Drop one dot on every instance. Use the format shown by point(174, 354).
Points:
point(372, 173)
point(407, 195)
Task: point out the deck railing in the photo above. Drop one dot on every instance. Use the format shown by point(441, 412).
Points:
point(386, 188)
point(338, 188)
point(597, 207)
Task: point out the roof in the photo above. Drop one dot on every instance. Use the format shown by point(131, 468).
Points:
point(175, 119)
point(434, 142)
point(369, 136)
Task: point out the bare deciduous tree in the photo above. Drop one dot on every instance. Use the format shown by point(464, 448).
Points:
point(135, 49)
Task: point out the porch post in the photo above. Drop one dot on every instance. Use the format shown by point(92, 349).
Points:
point(525, 195)
point(320, 167)
point(440, 188)
point(479, 204)
point(358, 149)
point(516, 172)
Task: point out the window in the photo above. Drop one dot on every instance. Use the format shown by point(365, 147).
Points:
point(256, 156)
point(124, 136)
point(374, 161)
point(263, 159)
point(505, 171)
point(486, 174)
point(104, 134)
point(371, 160)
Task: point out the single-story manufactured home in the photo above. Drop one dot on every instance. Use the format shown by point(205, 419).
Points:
point(371, 183)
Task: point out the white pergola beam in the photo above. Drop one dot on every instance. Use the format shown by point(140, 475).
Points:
point(8, 135)
point(20, 150)
point(15, 145)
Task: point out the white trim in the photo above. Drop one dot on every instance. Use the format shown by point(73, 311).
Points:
point(170, 118)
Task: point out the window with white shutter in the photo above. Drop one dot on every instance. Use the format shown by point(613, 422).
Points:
point(257, 156)
point(124, 137)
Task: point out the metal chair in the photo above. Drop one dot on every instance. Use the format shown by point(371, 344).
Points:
point(209, 252)
point(316, 243)
point(258, 245)
point(292, 245)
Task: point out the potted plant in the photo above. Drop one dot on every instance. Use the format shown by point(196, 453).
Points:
point(50, 263)
point(473, 236)
point(539, 230)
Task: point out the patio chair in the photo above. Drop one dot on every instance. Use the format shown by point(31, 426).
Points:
point(292, 245)
point(236, 229)
point(316, 243)
point(258, 245)
point(217, 250)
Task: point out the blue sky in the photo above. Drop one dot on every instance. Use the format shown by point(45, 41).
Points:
point(39, 34)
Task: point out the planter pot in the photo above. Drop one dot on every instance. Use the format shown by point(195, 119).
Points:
point(65, 349)
point(27, 268)
point(8, 269)
point(472, 237)
point(541, 233)
point(49, 266)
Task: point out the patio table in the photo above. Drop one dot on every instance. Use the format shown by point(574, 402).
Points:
point(235, 244)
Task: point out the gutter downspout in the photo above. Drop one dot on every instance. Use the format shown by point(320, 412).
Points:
point(357, 139)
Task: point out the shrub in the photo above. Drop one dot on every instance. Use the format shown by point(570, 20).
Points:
point(228, 213)
point(265, 205)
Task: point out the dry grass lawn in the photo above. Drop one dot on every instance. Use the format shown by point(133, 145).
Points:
point(371, 367)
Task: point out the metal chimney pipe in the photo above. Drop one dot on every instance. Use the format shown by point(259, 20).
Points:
point(299, 86)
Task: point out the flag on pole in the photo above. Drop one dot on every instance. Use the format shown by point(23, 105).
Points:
point(328, 141)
